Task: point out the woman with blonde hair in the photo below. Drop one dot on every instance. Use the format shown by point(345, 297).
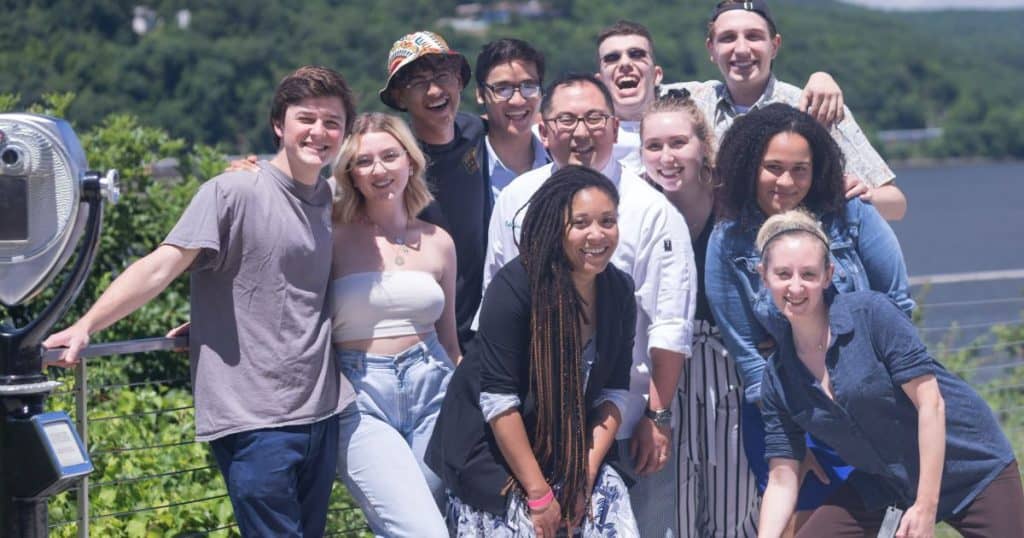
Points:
point(717, 492)
point(393, 326)
point(852, 371)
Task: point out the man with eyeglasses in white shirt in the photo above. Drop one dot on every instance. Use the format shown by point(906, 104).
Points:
point(578, 126)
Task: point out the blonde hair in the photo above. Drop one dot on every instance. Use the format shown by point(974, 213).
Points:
point(680, 101)
point(794, 221)
point(348, 201)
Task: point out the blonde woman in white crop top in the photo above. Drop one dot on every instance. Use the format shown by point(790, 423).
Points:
point(394, 326)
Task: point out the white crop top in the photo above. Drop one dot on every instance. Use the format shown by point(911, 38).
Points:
point(379, 304)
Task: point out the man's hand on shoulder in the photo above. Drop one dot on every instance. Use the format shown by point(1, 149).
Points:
point(248, 164)
point(823, 99)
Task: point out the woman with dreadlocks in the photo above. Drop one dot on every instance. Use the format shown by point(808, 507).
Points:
point(529, 421)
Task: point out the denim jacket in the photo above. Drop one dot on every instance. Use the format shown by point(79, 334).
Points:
point(864, 252)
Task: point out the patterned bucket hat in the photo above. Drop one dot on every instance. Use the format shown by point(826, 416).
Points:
point(412, 47)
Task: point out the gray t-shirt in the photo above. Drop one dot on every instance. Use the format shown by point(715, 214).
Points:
point(260, 338)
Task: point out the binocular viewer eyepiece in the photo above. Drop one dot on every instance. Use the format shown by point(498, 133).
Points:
point(44, 182)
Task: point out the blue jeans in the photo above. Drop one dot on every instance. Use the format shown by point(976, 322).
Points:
point(276, 477)
point(380, 454)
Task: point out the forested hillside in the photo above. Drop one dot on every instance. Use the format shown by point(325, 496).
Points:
point(210, 82)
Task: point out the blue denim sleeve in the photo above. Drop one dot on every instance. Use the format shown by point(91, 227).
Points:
point(783, 438)
point(897, 343)
point(727, 290)
point(880, 252)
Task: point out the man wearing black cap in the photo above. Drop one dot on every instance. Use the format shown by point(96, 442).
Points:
point(743, 41)
point(425, 79)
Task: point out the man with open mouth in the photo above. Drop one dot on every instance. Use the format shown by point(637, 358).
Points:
point(426, 78)
point(743, 42)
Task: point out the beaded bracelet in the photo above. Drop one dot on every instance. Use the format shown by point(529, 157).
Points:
point(541, 503)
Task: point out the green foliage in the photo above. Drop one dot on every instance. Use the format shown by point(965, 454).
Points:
point(53, 104)
point(211, 82)
point(9, 102)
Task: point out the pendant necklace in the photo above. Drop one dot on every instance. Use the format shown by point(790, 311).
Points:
point(398, 241)
point(402, 249)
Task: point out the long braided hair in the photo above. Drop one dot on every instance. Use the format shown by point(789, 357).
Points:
point(560, 437)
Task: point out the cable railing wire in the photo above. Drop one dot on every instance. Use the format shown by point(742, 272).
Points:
point(143, 413)
point(118, 450)
point(993, 345)
point(63, 393)
point(972, 302)
point(143, 478)
point(987, 325)
point(154, 508)
point(221, 528)
point(170, 381)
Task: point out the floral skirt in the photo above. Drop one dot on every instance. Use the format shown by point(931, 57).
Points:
point(609, 503)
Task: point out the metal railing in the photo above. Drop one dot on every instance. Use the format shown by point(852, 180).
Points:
point(995, 365)
point(202, 469)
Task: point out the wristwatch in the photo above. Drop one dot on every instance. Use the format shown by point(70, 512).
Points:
point(660, 417)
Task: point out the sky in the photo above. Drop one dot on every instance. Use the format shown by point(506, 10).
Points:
point(939, 4)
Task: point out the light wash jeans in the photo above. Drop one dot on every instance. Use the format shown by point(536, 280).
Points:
point(383, 437)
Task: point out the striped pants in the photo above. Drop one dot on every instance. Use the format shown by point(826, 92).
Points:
point(717, 492)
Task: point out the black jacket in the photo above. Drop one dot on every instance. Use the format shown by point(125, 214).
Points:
point(463, 451)
point(459, 178)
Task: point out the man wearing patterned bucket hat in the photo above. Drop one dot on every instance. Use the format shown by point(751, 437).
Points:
point(425, 79)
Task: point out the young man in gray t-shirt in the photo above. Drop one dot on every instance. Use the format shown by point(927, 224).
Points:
point(258, 245)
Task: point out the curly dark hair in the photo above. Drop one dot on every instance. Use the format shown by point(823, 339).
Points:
point(560, 438)
point(743, 148)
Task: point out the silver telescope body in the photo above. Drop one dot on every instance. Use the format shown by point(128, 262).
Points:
point(42, 172)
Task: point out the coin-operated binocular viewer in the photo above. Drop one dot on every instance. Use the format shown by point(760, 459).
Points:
point(48, 201)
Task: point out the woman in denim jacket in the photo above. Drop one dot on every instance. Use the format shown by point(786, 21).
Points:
point(772, 160)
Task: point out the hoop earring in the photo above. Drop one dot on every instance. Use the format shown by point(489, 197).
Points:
point(707, 174)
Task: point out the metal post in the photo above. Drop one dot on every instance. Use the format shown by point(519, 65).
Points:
point(82, 424)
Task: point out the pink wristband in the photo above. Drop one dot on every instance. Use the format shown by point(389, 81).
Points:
point(541, 503)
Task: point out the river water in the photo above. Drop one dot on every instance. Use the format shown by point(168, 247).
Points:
point(962, 219)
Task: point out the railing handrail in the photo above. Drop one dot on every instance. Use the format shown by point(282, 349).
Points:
point(123, 347)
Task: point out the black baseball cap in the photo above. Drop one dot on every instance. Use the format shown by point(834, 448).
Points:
point(757, 6)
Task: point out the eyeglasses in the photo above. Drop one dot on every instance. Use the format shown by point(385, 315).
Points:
point(444, 78)
point(366, 162)
point(635, 54)
point(505, 91)
point(566, 122)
